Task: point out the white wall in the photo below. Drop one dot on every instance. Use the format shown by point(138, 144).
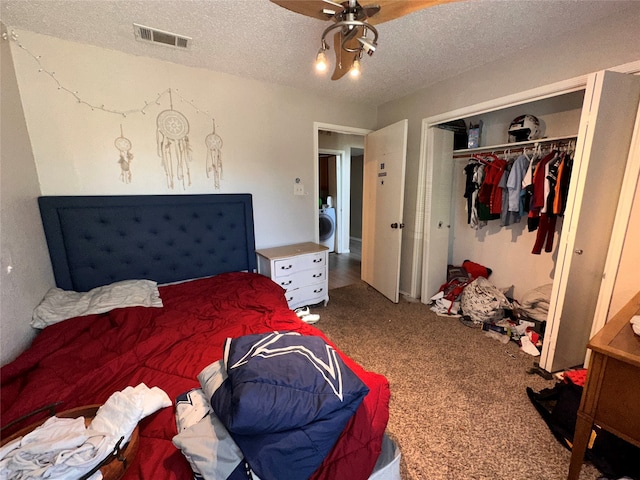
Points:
point(26, 273)
point(267, 132)
point(612, 41)
point(627, 282)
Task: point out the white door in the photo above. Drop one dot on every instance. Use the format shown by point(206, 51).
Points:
point(385, 155)
point(439, 177)
point(604, 138)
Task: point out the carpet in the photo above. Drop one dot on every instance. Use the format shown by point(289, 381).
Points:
point(459, 408)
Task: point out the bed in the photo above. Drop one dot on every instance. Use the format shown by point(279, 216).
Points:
point(200, 249)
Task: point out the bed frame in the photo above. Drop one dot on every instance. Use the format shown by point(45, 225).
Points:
point(98, 240)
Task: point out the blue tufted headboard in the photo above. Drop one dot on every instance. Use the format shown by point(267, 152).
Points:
point(97, 240)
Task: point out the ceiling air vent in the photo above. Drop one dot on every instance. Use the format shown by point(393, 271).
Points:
point(148, 34)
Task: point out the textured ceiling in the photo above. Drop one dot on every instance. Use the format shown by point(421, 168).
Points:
point(260, 40)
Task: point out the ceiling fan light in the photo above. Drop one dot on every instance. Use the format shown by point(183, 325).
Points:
point(355, 69)
point(368, 47)
point(321, 61)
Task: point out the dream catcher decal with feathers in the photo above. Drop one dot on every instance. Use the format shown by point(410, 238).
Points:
point(214, 156)
point(173, 145)
point(123, 144)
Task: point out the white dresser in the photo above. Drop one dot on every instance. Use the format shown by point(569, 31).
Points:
point(301, 269)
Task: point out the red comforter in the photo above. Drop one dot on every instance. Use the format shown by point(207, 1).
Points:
point(84, 360)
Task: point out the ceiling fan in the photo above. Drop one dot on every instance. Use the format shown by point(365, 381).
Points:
point(355, 33)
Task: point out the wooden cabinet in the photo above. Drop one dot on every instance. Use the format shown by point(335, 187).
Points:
point(301, 269)
point(610, 395)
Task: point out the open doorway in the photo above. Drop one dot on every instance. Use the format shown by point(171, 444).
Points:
point(340, 157)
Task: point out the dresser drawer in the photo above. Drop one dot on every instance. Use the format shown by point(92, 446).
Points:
point(307, 296)
point(295, 264)
point(301, 279)
point(301, 269)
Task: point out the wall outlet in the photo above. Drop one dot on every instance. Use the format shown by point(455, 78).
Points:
point(298, 189)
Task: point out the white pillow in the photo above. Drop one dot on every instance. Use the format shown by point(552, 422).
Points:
point(59, 305)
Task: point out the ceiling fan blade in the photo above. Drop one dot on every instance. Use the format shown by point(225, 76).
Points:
point(370, 10)
point(310, 8)
point(392, 9)
point(335, 4)
point(344, 59)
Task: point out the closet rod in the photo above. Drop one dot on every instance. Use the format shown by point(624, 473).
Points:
point(513, 147)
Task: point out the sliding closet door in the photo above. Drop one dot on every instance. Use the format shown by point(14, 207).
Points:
point(438, 202)
point(606, 127)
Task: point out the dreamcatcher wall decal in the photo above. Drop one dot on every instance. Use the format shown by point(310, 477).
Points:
point(123, 144)
point(173, 145)
point(214, 156)
point(171, 135)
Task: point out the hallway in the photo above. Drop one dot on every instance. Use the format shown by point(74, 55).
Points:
point(344, 268)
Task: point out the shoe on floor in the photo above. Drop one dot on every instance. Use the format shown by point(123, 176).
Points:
point(302, 311)
point(311, 318)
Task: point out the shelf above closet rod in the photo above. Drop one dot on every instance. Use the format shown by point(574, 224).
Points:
point(514, 145)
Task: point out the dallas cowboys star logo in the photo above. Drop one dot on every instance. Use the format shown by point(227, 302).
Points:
point(267, 348)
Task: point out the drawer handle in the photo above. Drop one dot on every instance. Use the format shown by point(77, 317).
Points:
point(317, 260)
point(317, 275)
point(284, 284)
point(288, 267)
point(318, 290)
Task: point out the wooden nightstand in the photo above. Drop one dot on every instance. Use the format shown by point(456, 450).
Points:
point(301, 269)
point(610, 395)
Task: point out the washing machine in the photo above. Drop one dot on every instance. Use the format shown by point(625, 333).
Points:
point(327, 220)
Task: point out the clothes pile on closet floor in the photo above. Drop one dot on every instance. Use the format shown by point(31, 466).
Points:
point(534, 305)
point(470, 296)
point(446, 301)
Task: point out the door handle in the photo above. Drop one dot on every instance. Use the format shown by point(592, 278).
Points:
point(579, 251)
point(396, 225)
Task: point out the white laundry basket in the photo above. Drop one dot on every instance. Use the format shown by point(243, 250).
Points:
point(388, 465)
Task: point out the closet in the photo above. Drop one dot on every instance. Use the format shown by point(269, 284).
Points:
point(596, 118)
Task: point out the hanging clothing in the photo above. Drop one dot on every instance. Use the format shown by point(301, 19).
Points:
point(551, 183)
point(506, 217)
point(562, 186)
point(478, 219)
point(515, 183)
point(490, 193)
point(538, 187)
point(487, 195)
point(498, 167)
point(546, 230)
point(470, 186)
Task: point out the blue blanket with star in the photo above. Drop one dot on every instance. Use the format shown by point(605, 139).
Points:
point(286, 400)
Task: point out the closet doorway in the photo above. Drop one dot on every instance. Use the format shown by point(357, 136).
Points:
point(603, 139)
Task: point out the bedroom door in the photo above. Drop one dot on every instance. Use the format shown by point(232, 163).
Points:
point(385, 156)
point(606, 127)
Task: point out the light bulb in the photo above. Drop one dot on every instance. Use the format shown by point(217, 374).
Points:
point(321, 61)
point(355, 68)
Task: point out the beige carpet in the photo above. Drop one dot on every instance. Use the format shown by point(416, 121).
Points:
point(458, 409)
